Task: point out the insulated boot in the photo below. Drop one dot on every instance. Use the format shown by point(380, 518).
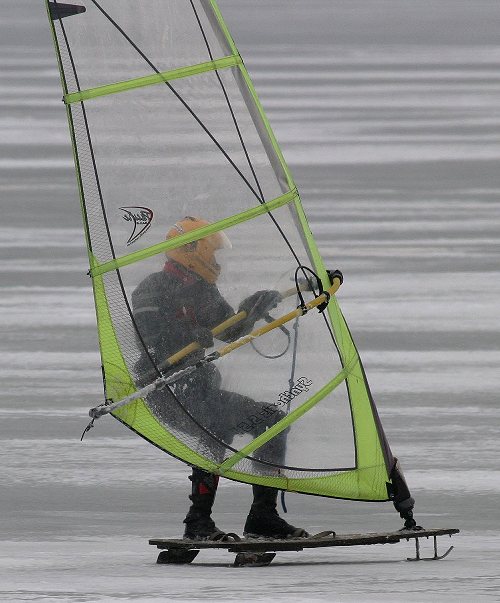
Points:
point(263, 520)
point(199, 524)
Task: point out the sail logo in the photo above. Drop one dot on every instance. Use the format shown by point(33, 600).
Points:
point(141, 217)
point(303, 384)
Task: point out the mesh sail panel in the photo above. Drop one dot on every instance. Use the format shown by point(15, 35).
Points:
point(165, 124)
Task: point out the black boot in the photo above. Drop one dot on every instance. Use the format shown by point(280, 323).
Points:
point(199, 524)
point(263, 519)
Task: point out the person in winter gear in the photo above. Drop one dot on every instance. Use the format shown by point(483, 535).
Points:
point(173, 308)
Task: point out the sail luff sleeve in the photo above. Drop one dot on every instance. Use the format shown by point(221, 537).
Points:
point(255, 105)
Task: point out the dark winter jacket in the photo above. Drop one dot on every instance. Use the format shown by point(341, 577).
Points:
point(171, 306)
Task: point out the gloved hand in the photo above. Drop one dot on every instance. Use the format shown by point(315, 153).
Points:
point(259, 304)
point(203, 336)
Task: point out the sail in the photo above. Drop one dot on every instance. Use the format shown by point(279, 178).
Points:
point(166, 126)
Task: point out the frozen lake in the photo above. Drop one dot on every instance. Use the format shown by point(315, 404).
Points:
point(388, 112)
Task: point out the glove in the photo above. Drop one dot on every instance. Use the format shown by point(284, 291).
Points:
point(259, 304)
point(203, 336)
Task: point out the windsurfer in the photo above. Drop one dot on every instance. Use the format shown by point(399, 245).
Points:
point(173, 308)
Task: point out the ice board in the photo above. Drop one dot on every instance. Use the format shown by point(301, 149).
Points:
point(260, 551)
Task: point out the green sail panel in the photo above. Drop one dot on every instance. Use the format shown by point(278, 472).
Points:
point(165, 123)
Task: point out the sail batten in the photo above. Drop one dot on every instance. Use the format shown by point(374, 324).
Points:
point(150, 80)
point(164, 246)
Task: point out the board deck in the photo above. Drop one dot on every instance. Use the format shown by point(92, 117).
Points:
point(261, 546)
